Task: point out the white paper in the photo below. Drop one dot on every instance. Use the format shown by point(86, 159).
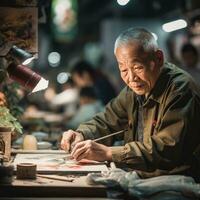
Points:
point(48, 163)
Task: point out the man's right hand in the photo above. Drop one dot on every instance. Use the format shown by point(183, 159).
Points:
point(69, 139)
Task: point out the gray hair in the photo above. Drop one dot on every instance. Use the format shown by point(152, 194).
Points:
point(144, 37)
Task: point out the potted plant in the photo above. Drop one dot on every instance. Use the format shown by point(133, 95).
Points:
point(9, 111)
point(8, 124)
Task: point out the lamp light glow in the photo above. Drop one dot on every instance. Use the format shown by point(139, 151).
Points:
point(174, 25)
point(28, 61)
point(42, 85)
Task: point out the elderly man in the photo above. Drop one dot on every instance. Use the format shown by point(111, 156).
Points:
point(160, 107)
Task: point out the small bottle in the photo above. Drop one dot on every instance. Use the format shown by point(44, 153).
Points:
point(30, 142)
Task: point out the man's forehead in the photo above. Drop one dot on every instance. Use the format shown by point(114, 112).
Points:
point(132, 49)
point(131, 44)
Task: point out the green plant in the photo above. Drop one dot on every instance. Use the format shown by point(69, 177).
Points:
point(8, 120)
point(12, 98)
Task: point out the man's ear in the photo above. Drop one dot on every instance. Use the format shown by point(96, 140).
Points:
point(159, 57)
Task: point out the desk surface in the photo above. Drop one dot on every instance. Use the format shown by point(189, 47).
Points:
point(44, 187)
point(71, 185)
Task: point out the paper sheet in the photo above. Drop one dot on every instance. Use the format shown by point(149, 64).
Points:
point(48, 163)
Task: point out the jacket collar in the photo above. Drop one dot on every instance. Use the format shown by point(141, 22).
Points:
point(160, 85)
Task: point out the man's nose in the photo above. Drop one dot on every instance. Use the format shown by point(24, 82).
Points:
point(132, 76)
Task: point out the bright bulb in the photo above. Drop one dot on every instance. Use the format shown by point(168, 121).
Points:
point(122, 2)
point(28, 61)
point(63, 77)
point(54, 59)
point(174, 25)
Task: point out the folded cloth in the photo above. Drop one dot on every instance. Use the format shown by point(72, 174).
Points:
point(135, 186)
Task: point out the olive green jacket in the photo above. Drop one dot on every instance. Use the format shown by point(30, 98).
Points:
point(171, 136)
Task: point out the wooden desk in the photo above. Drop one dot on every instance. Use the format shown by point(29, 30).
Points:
point(74, 186)
point(43, 187)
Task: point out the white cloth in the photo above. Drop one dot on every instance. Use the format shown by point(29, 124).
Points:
point(135, 186)
point(66, 97)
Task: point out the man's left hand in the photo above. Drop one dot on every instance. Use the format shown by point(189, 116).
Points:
point(91, 150)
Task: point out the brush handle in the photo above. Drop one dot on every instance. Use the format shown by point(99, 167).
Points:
point(110, 135)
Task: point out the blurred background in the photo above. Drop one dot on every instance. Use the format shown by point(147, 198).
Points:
point(73, 40)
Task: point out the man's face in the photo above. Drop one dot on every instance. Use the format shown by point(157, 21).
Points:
point(137, 70)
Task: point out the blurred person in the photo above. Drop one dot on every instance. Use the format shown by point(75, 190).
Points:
point(159, 111)
point(90, 105)
point(190, 60)
point(83, 74)
point(50, 93)
point(67, 99)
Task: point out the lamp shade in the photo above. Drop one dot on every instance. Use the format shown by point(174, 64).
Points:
point(26, 77)
point(20, 54)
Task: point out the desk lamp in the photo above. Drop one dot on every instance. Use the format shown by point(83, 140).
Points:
point(22, 74)
point(19, 71)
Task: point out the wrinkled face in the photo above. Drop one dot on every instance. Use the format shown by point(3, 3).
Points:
point(137, 69)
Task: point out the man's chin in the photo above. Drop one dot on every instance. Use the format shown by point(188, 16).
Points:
point(138, 91)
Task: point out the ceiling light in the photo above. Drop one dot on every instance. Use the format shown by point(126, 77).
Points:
point(54, 59)
point(63, 77)
point(174, 25)
point(122, 2)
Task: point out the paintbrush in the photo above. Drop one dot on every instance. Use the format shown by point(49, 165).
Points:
point(110, 135)
point(100, 138)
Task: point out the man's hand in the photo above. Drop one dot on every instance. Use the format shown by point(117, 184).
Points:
point(70, 138)
point(91, 150)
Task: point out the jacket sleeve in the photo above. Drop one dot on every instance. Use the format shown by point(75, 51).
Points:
point(164, 150)
point(113, 118)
